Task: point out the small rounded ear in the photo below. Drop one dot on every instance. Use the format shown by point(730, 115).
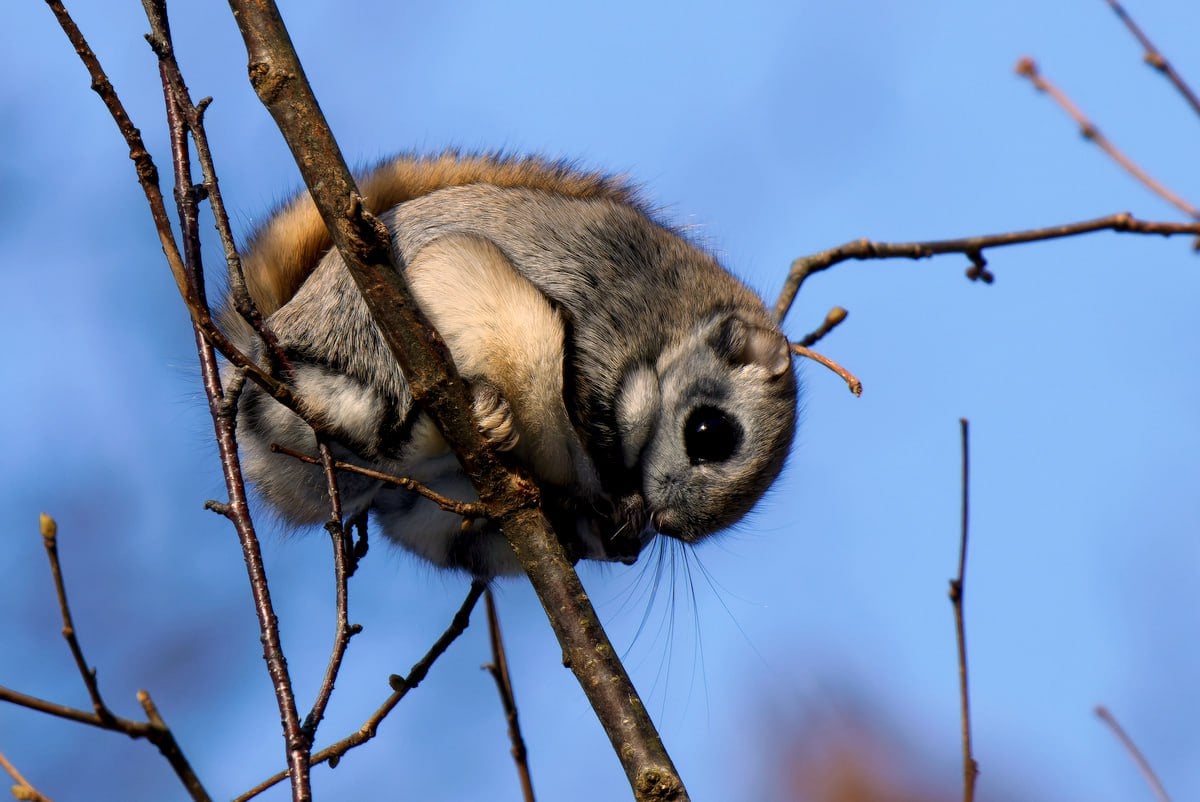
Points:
point(741, 342)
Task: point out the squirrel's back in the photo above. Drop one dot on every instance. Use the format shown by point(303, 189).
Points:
point(282, 253)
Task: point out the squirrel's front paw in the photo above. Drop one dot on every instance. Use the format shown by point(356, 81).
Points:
point(494, 417)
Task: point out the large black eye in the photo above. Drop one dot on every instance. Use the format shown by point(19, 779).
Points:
point(710, 435)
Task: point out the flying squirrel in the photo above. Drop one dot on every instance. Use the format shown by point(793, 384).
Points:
point(644, 388)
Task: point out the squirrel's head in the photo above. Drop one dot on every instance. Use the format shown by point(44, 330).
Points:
point(710, 423)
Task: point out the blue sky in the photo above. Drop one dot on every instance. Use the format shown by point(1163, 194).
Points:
point(769, 131)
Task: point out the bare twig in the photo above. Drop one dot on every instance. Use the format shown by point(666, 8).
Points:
point(498, 668)
point(50, 540)
point(463, 508)
point(511, 500)
point(849, 378)
point(160, 735)
point(179, 106)
point(1160, 793)
point(957, 594)
point(1028, 68)
point(400, 688)
point(193, 117)
point(155, 730)
point(832, 320)
point(23, 789)
point(1154, 58)
point(147, 174)
point(134, 729)
point(972, 247)
point(341, 570)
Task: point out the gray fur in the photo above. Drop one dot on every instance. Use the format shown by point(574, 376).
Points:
point(650, 329)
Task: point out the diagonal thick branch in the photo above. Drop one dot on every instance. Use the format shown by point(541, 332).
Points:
point(278, 78)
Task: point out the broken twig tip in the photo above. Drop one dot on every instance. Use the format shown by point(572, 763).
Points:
point(851, 380)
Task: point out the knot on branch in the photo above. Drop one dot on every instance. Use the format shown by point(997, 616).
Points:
point(658, 783)
point(160, 46)
point(268, 83)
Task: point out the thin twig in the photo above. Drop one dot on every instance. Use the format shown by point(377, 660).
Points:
point(400, 688)
point(849, 378)
point(463, 508)
point(168, 747)
point(972, 247)
point(50, 540)
point(341, 571)
point(832, 320)
point(1154, 58)
point(134, 729)
point(147, 174)
point(1028, 68)
point(1160, 793)
point(23, 789)
point(498, 668)
point(193, 117)
point(155, 730)
point(178, 106)
point(957, 594)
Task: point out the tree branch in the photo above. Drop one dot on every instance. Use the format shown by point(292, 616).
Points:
point(972, 247)
point(1028, 68)
point(1147, 771)
point(1154, 58)
point(498, 668)
point(851, 380)
point(147, 174)
point(23, 788)
point(464, 508)
point(400, 688)
point(50, 541)
point(957, 594)
point(278, 78)
point(341, 570)
point(834, 318)
point(155, 730)
point(179, 107)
